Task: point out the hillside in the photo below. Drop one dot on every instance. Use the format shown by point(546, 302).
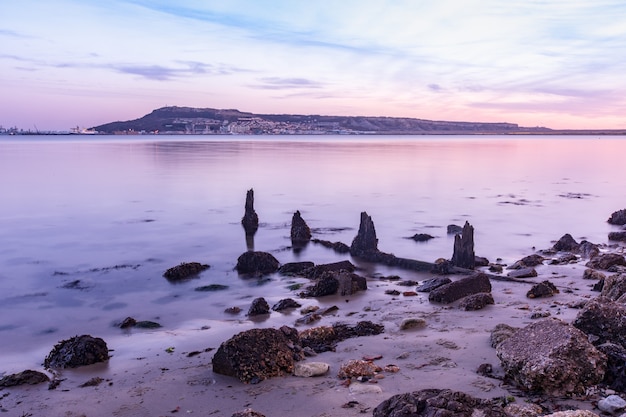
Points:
point(187, 120)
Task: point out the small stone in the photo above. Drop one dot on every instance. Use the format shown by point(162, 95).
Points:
point(412, 324)
point(233, 310)
point(409, 293)
point(612, 404)
point(365, 389)
point(310, 369)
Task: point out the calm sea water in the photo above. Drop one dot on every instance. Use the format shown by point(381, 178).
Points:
point(107, 216)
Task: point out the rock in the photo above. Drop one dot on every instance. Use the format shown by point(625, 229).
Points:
point(300, 231)
point(368, 389)
point(431, 284)
point(496, 268)
point(566, 244)
point(256, 263)
point(211, 288)
point(603, 320)
point(618, 236)
point(365, 242)
point(463, 255)
point(27, 377)
point(500, 333)
point(258, 307)
point(350, 283)
point(77, 351)
point(184, 271)
point(523, 410)
point(606, 260)
point(310, 369)
point(552, 357)
point(588, 250)
point(454, 229)
point(612, 404)
point(568, 258)
point(479, 282)
point(308, 319)
point(357, 368)
point(543, 289)
point(476, 301)
point(232, 310)
point(618, 217)
point(615, 376)
point(435, 403)
point(128, 322)
point(285, 304)
point(338, 247)
point(412, 324)
point(422, 237)
point(258, 354)
point(248, 412)
point(614, 287)
point(593, 274)
point(572, 413)
point(523, 273)
point(319, 270)
point(325, 338)
point(327, 284)
point(250, 220)
point(528, 261)
point(295, 268)
point(146, 324)
point(481, 261)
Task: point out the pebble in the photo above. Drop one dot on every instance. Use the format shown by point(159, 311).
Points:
point(358, 388)
point(612, 404)
point(310, 369)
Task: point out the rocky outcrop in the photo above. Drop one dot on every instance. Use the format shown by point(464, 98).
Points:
point(77, 351)
point(258, 354)
point(606, 261)
point(257, 263)
point(365, 243)
point(603, 320)
point(474, 284)
point(618, 217)
point(184, 271)
point(551, 357)
point(463, 255)
point(300, 231)
point(27, 377)
point(250, 220)
point(437, 402)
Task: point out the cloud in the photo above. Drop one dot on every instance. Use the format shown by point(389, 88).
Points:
point(278, 83)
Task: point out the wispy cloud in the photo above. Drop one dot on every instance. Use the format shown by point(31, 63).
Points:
point(278, 83)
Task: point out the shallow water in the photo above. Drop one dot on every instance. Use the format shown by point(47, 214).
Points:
point(107, 216)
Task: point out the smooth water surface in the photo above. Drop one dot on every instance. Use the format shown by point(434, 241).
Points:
point(88, 226)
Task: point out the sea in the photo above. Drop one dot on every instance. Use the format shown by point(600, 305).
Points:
point(89, 224)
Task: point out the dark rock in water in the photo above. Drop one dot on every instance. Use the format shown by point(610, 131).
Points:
point(615, 377)
point(258, 354)
point(77, 351)
point(543, 289)
point(614, 287)
point(500, 333)
point(325, 338)
point(463, 255)
point(327, 284)
point(437, 403)
point(128, 322)
point(565, 259)
point(248, 412)
point(257, 263)
point(566, 244)
point(603, 320)
point(184, 271)
point(454, 229)
point(27, 377)
point(338, 247)
point(593, 274)
point(285, 304)
point(598, 286)
point(250, 220)
point(319, 270)
point(365, 242)
point(477, 283)
point(300, 231)
point(551, 357)
point(362, 328)
point(481, 261)
point(606, 261)
point(588, 250)
point(523, 273)
point(407, 283)
point(442, 267)
point(422, 237)
point(259, 306)
point(476, 301)
point(618, 217)
point(431, 284)
point(147, 324)
point(350, 283)
point(294, 268)
point(527, 262)
point(618, 236)
point(211, 288)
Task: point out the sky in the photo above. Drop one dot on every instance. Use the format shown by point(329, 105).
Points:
point(553, 63)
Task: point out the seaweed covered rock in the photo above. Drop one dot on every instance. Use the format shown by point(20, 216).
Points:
point(325, 338)
point(27, 377)
point(551, 357)
point(606, 261)
point(258, 354)
point(448, 293)
point(437, 402)
point(184, 271)
point(614, 287)
point(603, 320)
point(77, 351)
point(542, 289)
point(257, 263)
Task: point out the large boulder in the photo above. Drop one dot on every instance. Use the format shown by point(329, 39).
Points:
point(618, 217)
point(606, 261)
point(474, 284)
point(77, 351)
point(603, 320)
point(551, 357)
point(463, 251)
point(257, 263)
point(258, 354)
point(437, 402)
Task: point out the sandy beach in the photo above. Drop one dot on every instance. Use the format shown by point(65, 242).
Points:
point(168, 373)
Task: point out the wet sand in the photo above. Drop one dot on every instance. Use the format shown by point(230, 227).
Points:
point(143, 379)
